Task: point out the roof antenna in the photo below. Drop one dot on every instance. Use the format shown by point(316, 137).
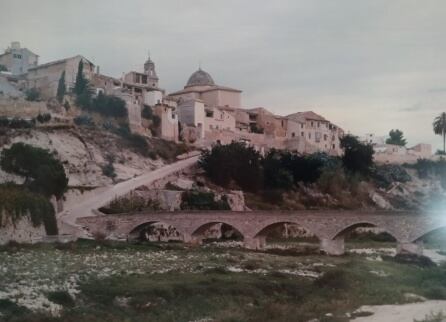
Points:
point(148, 52)
point(199, 64)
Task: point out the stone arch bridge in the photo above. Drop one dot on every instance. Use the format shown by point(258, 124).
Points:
point(329, 226)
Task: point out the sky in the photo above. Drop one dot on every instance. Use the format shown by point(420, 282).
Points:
point(367, 66)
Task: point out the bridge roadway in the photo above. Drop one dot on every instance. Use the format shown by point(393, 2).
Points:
point(329, 226)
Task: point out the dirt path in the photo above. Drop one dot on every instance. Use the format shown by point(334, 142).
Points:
point(68, 217)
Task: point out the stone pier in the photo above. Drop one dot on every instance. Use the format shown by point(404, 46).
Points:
point(333, 246)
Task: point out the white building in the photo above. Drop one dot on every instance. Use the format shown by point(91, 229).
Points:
point(18, 60)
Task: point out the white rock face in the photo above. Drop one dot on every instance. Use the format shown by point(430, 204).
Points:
point(84, 155)
point(22, 231)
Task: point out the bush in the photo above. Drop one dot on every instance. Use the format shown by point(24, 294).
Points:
point(17, 202)
point(198, 200)
point(32, 95)
point(431, 169)
point(233, 162)
point(61, 298)
point(83, 120)
point(109, 105)
point(42, 171)
point(130, 203)
point(44, 118)
point(333, 280)
point(17, 123)
point(387, 174)
point(358, 157)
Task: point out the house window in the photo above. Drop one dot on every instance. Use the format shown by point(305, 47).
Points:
point(302, 134)
point(293, 134)
point(309, 135)
point(312, 123)
point(325, 137)
point(302, 126)
point(334, 146)
point(318, 124)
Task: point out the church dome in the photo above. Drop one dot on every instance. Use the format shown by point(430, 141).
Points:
point(200, 78)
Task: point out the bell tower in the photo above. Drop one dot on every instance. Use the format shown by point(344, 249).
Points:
point(149, 70)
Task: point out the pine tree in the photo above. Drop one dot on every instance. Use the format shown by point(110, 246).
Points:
point(61, 88)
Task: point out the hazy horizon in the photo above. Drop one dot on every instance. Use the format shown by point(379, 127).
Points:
point(366, 66)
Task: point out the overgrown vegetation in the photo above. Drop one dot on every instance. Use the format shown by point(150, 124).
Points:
point(17, 123)
point(155, 120)
point(17, 202)
point(201, 200)
point(130, 203)
point(43, 172)
point(430, 169)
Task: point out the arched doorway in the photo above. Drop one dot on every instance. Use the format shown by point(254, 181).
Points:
point(155, 231)
point(366, 238)
point(288, 237)
point(217, 232)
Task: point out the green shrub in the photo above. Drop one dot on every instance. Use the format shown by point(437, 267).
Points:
point(333, 280)
point(17, 123)
point(61, 298)
point(387, 174)
point(199, 200)
point(44, 118)
point(147, 112)
point(83, 120)
point(358, 157)
point(109, 105)
point(130, 203)
point(233, 162)
point(42, 171)
point(17, 202)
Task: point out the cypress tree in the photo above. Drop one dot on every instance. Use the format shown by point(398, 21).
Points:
point(79, 86)
point(61, 88)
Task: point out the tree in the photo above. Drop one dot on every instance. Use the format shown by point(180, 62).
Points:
point(396, 138)
point(81, 83)
point(3, 68)
point(42, 171)
point(61, 88)
point(235, 162)
point(439, 126)
point(109, 105)
point(358, 157)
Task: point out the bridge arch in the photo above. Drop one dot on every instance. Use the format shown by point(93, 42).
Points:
point(267, 228)
point(200, 231)
point(144, 230)
point(344, 231)
point(428, 232)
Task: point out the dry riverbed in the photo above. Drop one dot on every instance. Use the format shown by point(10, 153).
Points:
point(86, 281)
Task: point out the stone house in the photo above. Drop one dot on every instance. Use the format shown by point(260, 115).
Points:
point(18, 60)
point(46, 77)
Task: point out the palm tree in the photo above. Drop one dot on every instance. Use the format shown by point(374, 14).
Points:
point(440, 128)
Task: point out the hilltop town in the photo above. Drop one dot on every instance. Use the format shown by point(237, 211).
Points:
point(201, 114)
